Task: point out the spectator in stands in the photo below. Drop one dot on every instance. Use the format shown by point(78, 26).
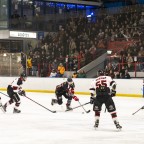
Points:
point(34, 65)
point(111, 74)
point(72, 46)
point(129, 61)
point(61, 69)
point(93, 51)
point(123, 60)
point(75, 64)
point(88, 57)
point(46, 47)
point(23, 61)
point(127, 75)
point(101, 44)
point(141, 51)
point(53, 73)
point(134, 51)
point(58, 74)
point(122, 72)
point(54, 64)
point(82, 58)
point(29, 65)
point(117, 75)
point(108, 67)
point(140, 62)
point(75, 75)
point(81, 74)
point(141, 21)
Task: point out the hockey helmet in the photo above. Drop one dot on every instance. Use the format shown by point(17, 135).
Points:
point(23, 76)
point(101, 73)
point(70, 82)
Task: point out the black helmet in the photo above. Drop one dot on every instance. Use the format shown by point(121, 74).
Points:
point(69, 80)
point(101, 73)
point(23, 75)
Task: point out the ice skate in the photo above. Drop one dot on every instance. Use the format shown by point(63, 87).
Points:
point(2, 108)
point(118, 126)
point(68, 107)
point(53, 101)
point(16, 111)
point(96, 124)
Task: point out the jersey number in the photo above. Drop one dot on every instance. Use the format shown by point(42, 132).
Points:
point(101, 83)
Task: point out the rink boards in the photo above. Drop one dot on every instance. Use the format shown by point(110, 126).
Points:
point(125, 87)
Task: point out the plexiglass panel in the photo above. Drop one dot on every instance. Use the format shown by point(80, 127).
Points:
point(10, 64)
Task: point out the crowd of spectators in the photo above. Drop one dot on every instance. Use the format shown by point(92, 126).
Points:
point(114, 72)
point(80, 41)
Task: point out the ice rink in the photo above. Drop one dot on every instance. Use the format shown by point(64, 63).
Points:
point(36, 125)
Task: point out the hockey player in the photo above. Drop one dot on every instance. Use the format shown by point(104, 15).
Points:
point(1, 106)
point(104, 88)
point(65, 89)
point(14, 90)
point(0, 102)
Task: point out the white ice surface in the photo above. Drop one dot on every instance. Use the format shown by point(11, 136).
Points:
point(36, 125)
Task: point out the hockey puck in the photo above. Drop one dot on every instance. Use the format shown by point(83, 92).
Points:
point(82, 112)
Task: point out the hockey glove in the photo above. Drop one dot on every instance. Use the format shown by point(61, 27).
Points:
point(75, 98)
point(113, 93)
point(92, 99)
point(22, 93)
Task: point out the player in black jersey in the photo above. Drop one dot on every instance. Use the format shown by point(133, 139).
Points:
point(14, 90)
point(65, 89)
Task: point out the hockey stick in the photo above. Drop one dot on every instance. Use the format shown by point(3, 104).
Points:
point(4, 94)
point(138, 110)
point(78, 106)
point(40, 104)
point(84, 108)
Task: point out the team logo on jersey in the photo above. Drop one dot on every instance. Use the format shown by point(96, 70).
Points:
point(111, 107)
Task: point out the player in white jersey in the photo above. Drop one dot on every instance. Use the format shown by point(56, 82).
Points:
point(14, 90)
point(105, 88)
point(0, 102)
point(1, 105)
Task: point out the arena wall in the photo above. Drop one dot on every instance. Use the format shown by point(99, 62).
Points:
point(125, 87)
